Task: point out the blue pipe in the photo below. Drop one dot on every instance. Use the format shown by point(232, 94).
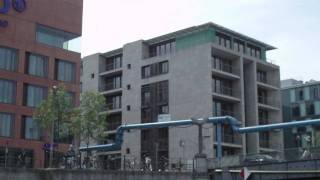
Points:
point(234, 124)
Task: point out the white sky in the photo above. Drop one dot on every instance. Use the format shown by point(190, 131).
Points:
point(293, 26)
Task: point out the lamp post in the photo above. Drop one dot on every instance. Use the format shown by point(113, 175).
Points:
point(54, 90)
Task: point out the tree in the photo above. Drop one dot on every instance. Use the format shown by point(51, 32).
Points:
point(90, 123)
point(55, 112)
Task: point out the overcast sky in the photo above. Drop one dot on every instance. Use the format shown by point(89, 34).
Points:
point(293, 26)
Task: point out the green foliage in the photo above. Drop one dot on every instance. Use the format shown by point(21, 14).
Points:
point(57, 108)
point(89, 122)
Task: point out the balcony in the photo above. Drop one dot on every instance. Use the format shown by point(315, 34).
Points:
point(107, 68)
point(226, 93)
point(109, 86)
point(268, 102)
point(226, 70)
point(112, 106)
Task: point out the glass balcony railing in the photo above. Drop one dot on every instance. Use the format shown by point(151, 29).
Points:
point(112, 106)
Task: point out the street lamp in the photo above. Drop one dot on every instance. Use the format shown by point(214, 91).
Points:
point(54, 91)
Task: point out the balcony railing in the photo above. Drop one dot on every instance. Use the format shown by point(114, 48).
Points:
point(271, 101)
point(226, 68)
point(224, 113)
point(109, 86)
point(112, 106)
point(224, 90)
point(112, 66)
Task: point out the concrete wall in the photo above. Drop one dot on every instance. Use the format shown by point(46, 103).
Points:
point(32, 174)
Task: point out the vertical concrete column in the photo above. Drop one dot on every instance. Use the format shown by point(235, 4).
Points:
point(251, 104)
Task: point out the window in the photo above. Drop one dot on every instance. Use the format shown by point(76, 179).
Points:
point(34, 95)
point(114, 62)
point(8, 59)
point(146, 71)
point(162, 91)
point(92, 76)
point(71, 96)
point(146, 115)
point(222, 64)
point(128, 107)
point(224, 40)
point(7, 91)
point(164, 67)
point(128, 87)
point(310, 109)
point(263, 117)
point(65, 71)
point(295, 111)
point(37, 65)
point(164, 109)
point(262, 76)
point(300, 95)
point(162, 48)
point(254, 51)
point(31, 129)
point(54, 37)
point(155, 69)
point(129, 66)
point(238, 46)
point(6, 124)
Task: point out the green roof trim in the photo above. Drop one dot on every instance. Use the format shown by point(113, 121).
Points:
point(195, 38)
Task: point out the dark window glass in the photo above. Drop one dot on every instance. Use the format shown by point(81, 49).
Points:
point(310, 109)
point(164, 109)
point(146, 115)
point(164, 67)
point(65, 71)
point(262, 76)
point(8, 59)
point(6, 124)
point(53, 37)
point(224, 40)
point(162, 48)
point(37, 65)
point(295, 111)
point(7, 91)
point(128, 107)
point(34, 95)
point(146, 71)
point(114, 62)
point(31, 129)
point(113, 102)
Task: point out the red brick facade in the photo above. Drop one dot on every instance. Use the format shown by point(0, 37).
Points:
point(20, 34)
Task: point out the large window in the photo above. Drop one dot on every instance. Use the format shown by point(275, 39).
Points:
point(34, 95)
point(155, 69)
point(65, 71)
point(262, 76)
point(6, 124)
point(37, 65)
point(114, 62)
point(8, 59)
point(54, 37)
point(31, 129)
point(224, 40)
point(7, 91)
point(162, 48)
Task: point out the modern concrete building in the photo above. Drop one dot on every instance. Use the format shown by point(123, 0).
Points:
point(35, 55)
point(201, 71)
point(301, 101)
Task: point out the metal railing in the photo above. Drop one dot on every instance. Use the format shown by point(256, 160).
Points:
point(224, 90)
point(268, 100)
point(112, 106)
point(109, 86)
point(226, 68)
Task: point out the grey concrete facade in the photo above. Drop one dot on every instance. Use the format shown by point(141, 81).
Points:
point(191, 90)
